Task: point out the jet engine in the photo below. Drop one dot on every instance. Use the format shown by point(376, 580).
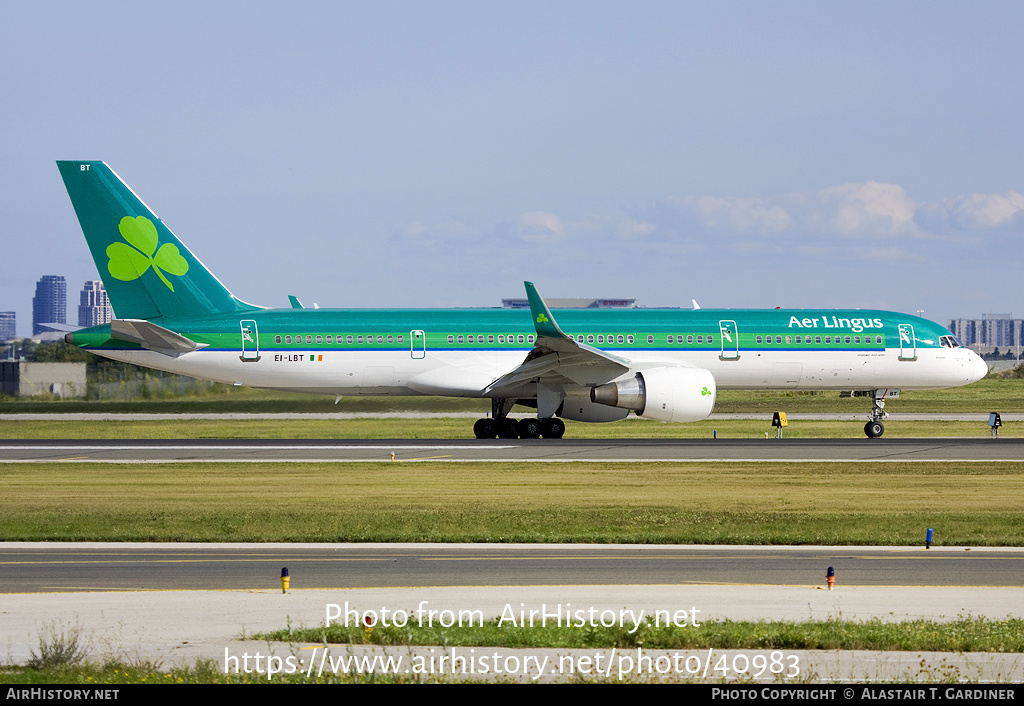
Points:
point(666, 394)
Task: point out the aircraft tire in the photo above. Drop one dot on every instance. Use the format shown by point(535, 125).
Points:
point(874, 429)
point(507, 428)
point(552, 428)
point(529, 428)
point(485, 428)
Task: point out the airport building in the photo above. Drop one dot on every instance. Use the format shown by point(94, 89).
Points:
point(989, 332)
point(50, 304)
point(94, 305)
point(573, 303)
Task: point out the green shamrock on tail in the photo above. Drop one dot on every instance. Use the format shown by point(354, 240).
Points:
point(541, 319)
point(705, 392)
point(128, 263)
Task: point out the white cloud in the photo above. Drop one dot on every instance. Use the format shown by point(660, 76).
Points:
point(418, 233)
point(537, 226)
point(868, 210)
point(739, 215)
point(975, 212)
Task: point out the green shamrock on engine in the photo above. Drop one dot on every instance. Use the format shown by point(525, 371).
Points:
point(128, 262)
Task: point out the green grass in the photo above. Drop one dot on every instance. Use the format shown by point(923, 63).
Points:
point(963, 635)
point(989, 394)
point(202, 672)
point(462, 428)
point(736, 503)
point(966, 634)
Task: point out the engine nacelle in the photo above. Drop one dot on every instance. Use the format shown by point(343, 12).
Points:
point(666, 394)
point(578, 406)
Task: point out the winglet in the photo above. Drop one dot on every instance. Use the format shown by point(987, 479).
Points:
point(296, 304)
point(543, 321)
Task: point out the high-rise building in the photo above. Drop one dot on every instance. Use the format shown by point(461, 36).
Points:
point(998, 330)
point(94, 305)
point(8, 331)
point(50, 304)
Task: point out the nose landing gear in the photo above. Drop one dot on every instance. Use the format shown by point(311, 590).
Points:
point(874, 428)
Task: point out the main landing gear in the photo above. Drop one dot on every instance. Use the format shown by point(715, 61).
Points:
point(528, 428)
point(874, 428)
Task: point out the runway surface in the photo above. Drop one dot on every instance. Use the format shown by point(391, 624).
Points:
point(951, 450)
point(39, 568)
point(121, 597)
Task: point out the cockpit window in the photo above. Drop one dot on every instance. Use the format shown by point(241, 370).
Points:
point(949, 342)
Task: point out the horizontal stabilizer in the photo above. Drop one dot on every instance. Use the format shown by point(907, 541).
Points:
point(153, 337)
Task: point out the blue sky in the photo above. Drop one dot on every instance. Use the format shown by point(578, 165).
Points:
point(746, 154)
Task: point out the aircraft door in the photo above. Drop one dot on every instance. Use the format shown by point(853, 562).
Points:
point(730, 340)
point(418, 344)
point(250, 341)
point(908, 344)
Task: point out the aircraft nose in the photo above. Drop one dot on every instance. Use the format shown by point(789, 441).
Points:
point(977, 367)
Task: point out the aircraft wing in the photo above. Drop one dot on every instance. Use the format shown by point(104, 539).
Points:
point(557, 358)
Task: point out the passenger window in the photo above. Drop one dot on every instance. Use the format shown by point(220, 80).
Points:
point(330, 339)
point(650, 339)
point(309, 339)
point(778, 339)
point(671, 339)
point(359, 339)
point(600, 338)
point(758, 339)
point(629, 340)
point(700, 339)
point(521, 338)
point(461, 339)
point(847, 339)
point(529, 339)
point(711, 339)
point(320, 339)
point(789, 339)
point(451, 339)
point(277, 339)
point(348, 339)
point(689, 339)
point(590, 338)
point(501, 339)
point(856, 339)
point(391, 339)
point(817, 339)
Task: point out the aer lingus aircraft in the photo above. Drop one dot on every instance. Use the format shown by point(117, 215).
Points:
point(590, 365)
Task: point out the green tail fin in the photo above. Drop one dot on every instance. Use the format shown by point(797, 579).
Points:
point(146, 270)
